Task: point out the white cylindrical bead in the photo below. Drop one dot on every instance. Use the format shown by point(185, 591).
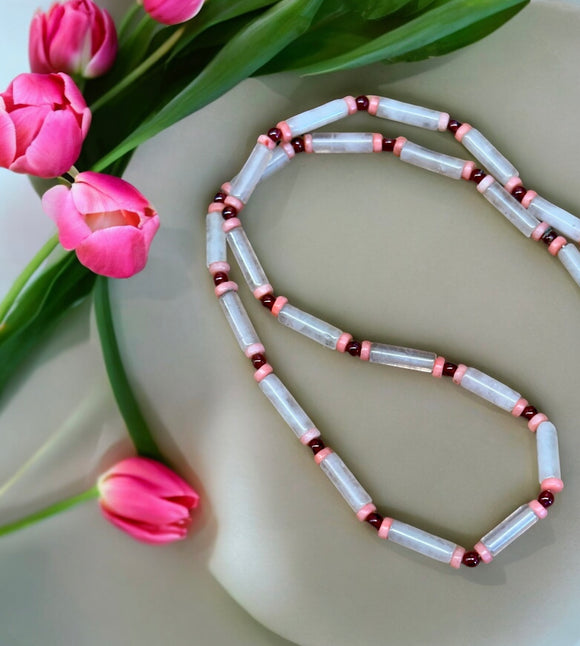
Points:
point(420, 541)
point(245, 181)
point(342, 142)
point(431, 160)
point(288, 408)
point(277, 162)
point(310, 326)
point(548, 455)
point(246, 258)
point(490, 389)
point(570, 257)
point(414, 115)
point(345, 482)
point(238, 319)
point(509, 207)
point(215, 238)
point(317, 117)
point(509, 529)
point(564, 222)
point(489, 156)
point(399, 357)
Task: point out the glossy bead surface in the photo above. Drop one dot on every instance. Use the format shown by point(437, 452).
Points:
point(374, 520)
point(518, 192)
point(449, 369)
point(275, 134)
point(453, 126)
point(362, 103)
point(529, 412)
point(316, 445)
point(388, 144)
point(220, 277)
point(354, 348)
point(477, 175)
point(549, 236)
point(258, 360)
point(268, 301)
point(471, 559)
point(298, 144)
point(219, 197)
point(546, 499)
point(229, 212)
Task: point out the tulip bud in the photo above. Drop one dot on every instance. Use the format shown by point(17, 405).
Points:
point(106, 220)
point(172, 12)
point(147, 500)
point(76, 37)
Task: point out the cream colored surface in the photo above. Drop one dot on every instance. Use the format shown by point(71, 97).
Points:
point(387, 252)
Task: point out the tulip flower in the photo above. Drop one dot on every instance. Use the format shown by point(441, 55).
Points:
point(106, 220)
point(147, 500)
point(43, 123)
point(172, 12)
point(76, 37)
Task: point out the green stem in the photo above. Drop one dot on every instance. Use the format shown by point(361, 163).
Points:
point(22, 280)
point(127, 20)
point(138, 71)
point(136, 425)
point(57, 508)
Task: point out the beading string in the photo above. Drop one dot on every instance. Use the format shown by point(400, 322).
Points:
point(500, 184)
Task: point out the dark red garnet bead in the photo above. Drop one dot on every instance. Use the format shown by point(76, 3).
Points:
point(220, 277)
point(388, 145)
point(354, 348)
point(546, 499)
point(453, 126)
point(518, 192)
point(258, 360)
point(471, 559)
point(477, 175)
point(529, 412)
point(275, 134)
point(219, 197)
point(229, 212)
point(362, 103)
point(375, 520)
point(549, 236)
point(268, 301)
point(316, 445)
point(298, 144)
point(449, 369)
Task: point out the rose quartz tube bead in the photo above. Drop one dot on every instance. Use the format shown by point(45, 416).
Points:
point(570, 257)
point(310, 326)
point(548, 455)
point(246, 258)
point(510, 208)
point(245, 181)
point(414, 115)
point(420, 541)
point(288, 408)
point(342, 142)
point(509, 529)
point(560, 219)
point(489, 156)
point(399, 357)
point(490, 389)
point(278, 161)
point(215, 239)
point(239, 320)
point(345, 482)
point(317, 117)
point(433, 161)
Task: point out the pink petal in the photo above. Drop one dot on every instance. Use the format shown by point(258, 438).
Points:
point(36, 89)
point(36, 39)
point(145, 534)
point(172, 12)
point(28, 122)
point(105, 55)
point(149, 228)
point(68, 46)
point(77, 102)
point(96, 192)
point(7, 139)
point(58, 204)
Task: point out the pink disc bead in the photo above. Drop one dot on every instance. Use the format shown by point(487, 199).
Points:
point(459, 373)
point(263, 372)
point(399, 145)
point(486, 555)
point(290, 152)
point(463, 129)
point(512, 183)
point(307, 143)
point(365, 350)
point(443, 121)
point(556, 245)
point(278, 305)
point(385, 527)
point(254, 348)
point(536, 420)
point(377, 142)
point(528, 197)
point(538, 509)
point(263, 290)
point(234, 201)
point(309, 436)
point(438, 367)
point(539, 231)
point(343, 341)
point(227, 187)
point(552, 484)
point(266, 141)
point(219, 267)
point(373, 104)
point(457, 557)
point(468, 168)
point(485, 183)
point(322, 455)
point(228, 286)
point(369, 508)
point(216, 207)
point(350, 104)
point(232, 223)
point(519, 407)
point(285, 130)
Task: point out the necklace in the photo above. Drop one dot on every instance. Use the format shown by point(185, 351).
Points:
point(532, 215)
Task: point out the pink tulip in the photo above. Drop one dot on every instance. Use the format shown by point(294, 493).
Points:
point(43, 122)
point(172, 12)
point(147, 500)
point(106, 220)
point(76, 37)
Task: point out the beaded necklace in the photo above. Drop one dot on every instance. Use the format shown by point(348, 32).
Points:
point(500, 184)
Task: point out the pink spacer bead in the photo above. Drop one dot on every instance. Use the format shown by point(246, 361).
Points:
point(365, 350)
point(343, 341)
point(538, 509)
point(377, 142)
point(227, 187)
point(528, 197)
point(219, 266)
point(285, 130)
point(232, 223)
point(215, 207)
point(485, 183)
point(512, 183)
point(228, 286)
point(254, 348)
point(263, 290)
point(309, 435)
point(438, 367)
point(373, 104)
point(234, 201)
point(443, 121)
point(278, 305)
point(385, 527)
point(322, 455)
point(307, 143)
point(399, 144)
point(290, 152)
point(351, 104)
point(536, 421)
point(263, 372)
point(369, 508)
point(459, 373)
point(468, 168)
point(481, 549)
point(456, 557)
point(266, 141)
point(539, 231)
point(552, 484)
point(519, 407)
point(556, 245)
point(462, 131)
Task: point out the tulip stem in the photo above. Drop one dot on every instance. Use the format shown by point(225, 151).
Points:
point(128, 19)
point(47, 512)
point(22, 280)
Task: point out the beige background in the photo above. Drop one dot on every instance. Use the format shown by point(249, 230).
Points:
point(378, 248)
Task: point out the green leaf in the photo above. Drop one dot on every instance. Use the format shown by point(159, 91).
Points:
point(432, 26)
point(373, 9)
point(249, 50)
